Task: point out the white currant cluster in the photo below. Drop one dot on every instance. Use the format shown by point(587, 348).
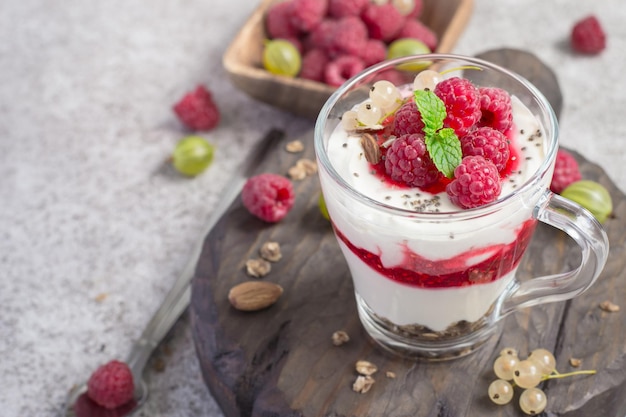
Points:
point(384, 99)
point(526, 374)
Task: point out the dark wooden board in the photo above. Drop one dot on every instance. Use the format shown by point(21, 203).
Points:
point(281, 362)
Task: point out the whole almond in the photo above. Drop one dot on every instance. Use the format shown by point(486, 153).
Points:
point(254, 295)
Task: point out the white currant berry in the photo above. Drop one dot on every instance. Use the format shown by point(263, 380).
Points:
point(504, 366)
point(427, 79)
point(369, 113)
point(533, 401)
point(544, 359)
point(526, 374)
point(500, 392)
point(384, 94)
point(508, 351)
point(404, 7)
point(349, 120)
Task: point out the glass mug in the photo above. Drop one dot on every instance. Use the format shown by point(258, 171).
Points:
point(435, 284)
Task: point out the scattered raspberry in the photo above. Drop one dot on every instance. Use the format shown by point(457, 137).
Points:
point(111, 385)
point(268, 196)
point(373, 52)
point(278, 21)
point(415, 29)
point(495, 107)
point(349, 36)
point(462, 102)
point(476, 183)
point(566, 171)
point(307, 14)
point(197, 110)
point(588, 36)
point(489, 143)
point(408, 120)
point(343, 8)
point(407, 161)
point(383, 21)
point(86, 407)
point(313, 64)
point(341, 69)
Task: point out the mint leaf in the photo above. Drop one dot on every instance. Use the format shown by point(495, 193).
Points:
point(432, 109)
point(444, 148)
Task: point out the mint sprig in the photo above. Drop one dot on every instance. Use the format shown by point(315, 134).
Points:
point(443, 145)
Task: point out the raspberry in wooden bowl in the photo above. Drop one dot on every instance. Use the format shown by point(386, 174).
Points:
point(346, 36)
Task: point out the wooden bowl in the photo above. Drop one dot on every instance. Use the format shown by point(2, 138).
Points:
point(243, 58)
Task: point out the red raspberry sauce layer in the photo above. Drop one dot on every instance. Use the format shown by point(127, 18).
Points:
point(417, 271)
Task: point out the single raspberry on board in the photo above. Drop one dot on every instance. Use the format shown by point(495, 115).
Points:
point(341, 69)
point(476, 183)
point(343, 8)
point(566, 171)
point(278, 21)
point(408, 119)
point(462, 101)
point(373, 52)
point(307, 14)
point(314, 63)
point(489, 143)
point(588, 36)
point(349, 36)
point(268, 196)
point(197, 110)
point(383, 21)
point(407, 161)
point(111, 385)
point(415, 29)
point(495, 108)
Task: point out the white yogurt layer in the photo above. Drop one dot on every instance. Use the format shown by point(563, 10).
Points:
point(435, 238)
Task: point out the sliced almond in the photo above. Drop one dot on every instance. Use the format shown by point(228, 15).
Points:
point(254, 295)
point(371, 148)
point(363, 384)
point(366, 368)
point(609, 306)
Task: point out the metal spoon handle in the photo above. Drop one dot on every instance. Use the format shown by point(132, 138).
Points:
point(178, 298)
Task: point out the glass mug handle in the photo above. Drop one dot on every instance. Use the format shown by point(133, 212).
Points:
point(587, 232)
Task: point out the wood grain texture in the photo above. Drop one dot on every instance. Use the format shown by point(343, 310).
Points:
point(281, 362)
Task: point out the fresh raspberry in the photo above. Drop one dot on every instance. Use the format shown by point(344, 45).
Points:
point(349, 36)
point(373, 52)
point(588, 36)
point(322, 36)
point(566, 171)
point(383, 21)
point(86, 407)
point(197, 110)
point(407, 161)
point(476, 183)
point(462, 102)
point(343, 8)
point(495, 108)
point(278, 21)
point(341, 69)
point(268, 196)
point(111, 385)
point(489, 143)
point(408, 120)
point(307, 14)
point(415, 29)
point(313, 64)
